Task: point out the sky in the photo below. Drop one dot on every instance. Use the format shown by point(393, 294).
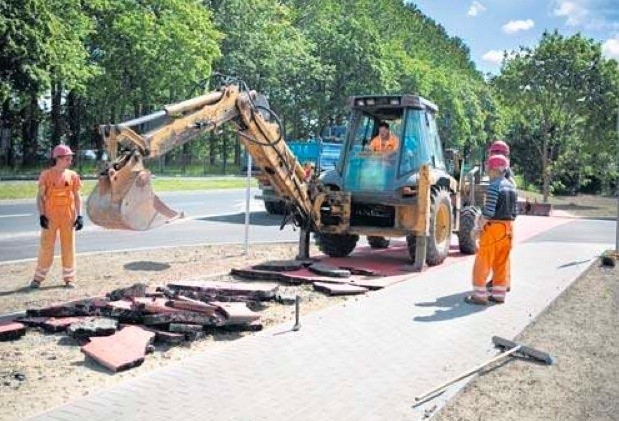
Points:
point(490, 27)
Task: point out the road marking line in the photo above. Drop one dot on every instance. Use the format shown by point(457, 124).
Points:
point(16, 215)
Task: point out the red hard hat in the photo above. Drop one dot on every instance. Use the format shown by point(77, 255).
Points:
point(500, 147)
point(62, 150)
point(498, 162)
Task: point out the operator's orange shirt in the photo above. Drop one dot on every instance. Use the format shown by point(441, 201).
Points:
point(59, 189)
point(391, 145)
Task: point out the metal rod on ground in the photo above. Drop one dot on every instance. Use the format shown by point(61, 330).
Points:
point(502, 343)
point(247, 207)
point(297, 305)
point(467, 373)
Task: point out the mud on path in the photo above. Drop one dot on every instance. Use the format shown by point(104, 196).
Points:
point(40, 371)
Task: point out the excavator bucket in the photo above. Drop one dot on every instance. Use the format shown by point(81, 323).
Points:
point(124, 199)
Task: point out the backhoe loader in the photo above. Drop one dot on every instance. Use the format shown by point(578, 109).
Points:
point(407, 193)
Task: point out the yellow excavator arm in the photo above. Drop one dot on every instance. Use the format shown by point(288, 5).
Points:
point(123, 197)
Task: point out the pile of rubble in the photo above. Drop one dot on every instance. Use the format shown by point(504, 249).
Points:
point(119, 329)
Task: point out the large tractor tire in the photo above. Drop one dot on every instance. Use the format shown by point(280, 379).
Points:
point(274, 208)
point(439, 238)
point(467, 238)
point(377, 242)
point(336, 245)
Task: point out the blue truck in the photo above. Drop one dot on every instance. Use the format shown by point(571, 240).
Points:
point(323, 153)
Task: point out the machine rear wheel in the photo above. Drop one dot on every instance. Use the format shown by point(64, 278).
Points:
point(377, 242)
point(467, 240)
point(336, 245)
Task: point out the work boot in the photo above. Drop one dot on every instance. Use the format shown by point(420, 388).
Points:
point(34, 284)
point(489, 286)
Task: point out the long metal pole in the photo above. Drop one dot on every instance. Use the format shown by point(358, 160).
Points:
point(247, 200)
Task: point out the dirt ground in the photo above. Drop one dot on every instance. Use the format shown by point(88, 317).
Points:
point(40, 371)
point(581, 331)
point(581, 205)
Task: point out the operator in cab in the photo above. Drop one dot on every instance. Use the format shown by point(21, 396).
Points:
point(385, 142)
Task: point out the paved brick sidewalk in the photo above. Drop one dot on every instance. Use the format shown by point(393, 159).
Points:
point(366, 359)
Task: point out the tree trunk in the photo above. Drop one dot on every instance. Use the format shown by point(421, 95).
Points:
point(56, 113)
point(224, 152)
point(211, 150)
point(545, 163)
point(74, 123)
point(237, 151)
point(30, 128)
point(6, 139)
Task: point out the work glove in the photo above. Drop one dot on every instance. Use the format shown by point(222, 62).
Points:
point(79, 223)
point(44, 222)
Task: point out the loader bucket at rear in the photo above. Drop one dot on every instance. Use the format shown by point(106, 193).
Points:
point(125, 200)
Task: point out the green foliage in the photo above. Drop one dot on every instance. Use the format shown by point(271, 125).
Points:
point(562, 99)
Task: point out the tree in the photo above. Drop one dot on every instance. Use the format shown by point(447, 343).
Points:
point(559, 90)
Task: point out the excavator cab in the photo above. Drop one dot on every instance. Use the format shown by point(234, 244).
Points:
point(406, 191)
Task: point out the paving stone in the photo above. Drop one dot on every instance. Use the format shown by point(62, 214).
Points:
point(135, 290)
point(95, 326)
point(60, 324)
point(184, 328)
point(169, 337)
point(199, 307)
point(328, 270)
point(33, 321)
point(280, 265)
point(339, 289)
point(12, 330)
point(154, 305)
point(237, 313)
point(183, 317)
point(123, 350)
point(120, 305)
point(262, 291)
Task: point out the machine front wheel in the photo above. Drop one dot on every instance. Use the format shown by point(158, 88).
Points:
point(336, 245)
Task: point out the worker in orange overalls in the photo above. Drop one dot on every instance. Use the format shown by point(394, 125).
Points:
point(309, 170)
point(495, 241)
point(59, 205)
point(499, 147)
point(385, 141)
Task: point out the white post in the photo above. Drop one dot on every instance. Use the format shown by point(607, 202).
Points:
point(247, 200)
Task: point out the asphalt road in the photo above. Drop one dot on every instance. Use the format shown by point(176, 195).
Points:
point(213, 217)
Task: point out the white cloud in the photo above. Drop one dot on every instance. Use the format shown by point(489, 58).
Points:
point(610, 49)
point(493, 56)
point(514, 26)
point(573, 10)
point(476, 8)
point(597, 15)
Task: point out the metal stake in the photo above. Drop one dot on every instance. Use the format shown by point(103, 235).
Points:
point(247, 204)
point(297, 324)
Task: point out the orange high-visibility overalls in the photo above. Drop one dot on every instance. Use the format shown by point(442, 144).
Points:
point(61, 213)
point(495, 244)
point(495, 241)
point(390, 145)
